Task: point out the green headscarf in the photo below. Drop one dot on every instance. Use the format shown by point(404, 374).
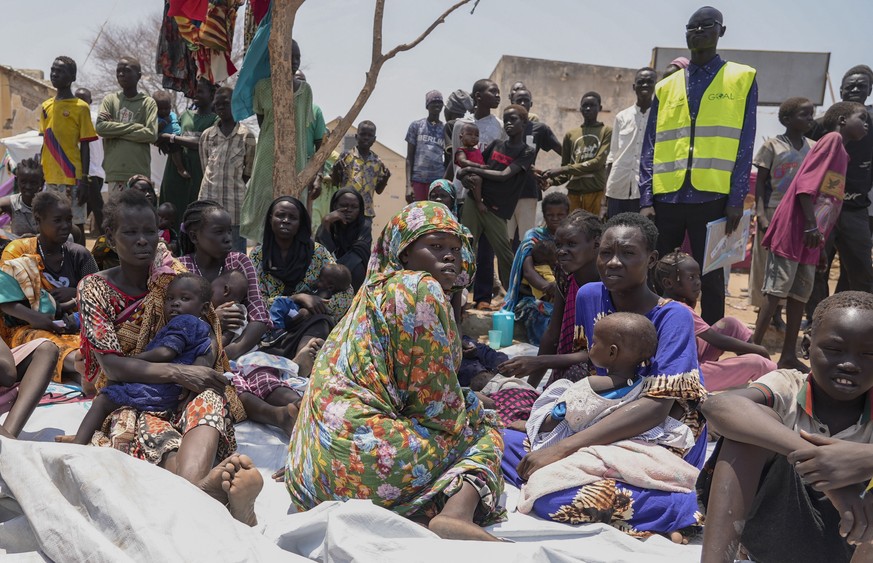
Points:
point(449, 188)
point(414, 221)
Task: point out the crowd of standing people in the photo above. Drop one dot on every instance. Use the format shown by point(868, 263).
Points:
point(210, 302)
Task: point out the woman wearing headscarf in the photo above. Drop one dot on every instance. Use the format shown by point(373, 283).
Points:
point(288, 264)
point(384, 417)
point(443, 191)
point(347, 233)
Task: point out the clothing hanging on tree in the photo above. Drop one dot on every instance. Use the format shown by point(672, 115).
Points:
point(174, 61)
point(201, 33)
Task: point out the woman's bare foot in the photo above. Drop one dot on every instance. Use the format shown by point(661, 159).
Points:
point(288, 418)
point(66, 439)
point(792, 363)
point(213, 483)
point(450, 528)
point(677, 537)
point(242, 489)
point(306, 356)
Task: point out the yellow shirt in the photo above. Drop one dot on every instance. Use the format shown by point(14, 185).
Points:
point(546, 272)
point(64, 124)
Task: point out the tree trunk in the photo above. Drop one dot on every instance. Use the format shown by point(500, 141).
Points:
point(285, 180)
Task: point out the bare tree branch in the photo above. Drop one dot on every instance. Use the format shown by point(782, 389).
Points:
point(330, 143)
point(138, 40)
point(420, 38)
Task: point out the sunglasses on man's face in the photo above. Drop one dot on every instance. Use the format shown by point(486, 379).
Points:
point(702, 26)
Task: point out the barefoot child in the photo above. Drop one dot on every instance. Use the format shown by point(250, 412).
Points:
point(802, 223)
point(678, 274)
point(168, 123)
point(786, 479)
point(777, 162)
point(186, 339)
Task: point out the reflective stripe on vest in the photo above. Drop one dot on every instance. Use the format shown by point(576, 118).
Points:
point(715, 133)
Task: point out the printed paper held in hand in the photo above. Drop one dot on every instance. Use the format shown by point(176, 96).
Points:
point(723, 250)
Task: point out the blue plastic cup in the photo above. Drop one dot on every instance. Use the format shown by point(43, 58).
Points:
point(494, 339)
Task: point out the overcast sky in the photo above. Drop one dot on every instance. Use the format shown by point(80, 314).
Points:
point(335, 40)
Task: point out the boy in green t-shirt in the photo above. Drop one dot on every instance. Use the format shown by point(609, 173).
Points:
point(128, 123)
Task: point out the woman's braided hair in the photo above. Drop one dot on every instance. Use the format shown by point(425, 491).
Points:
point(192, 220)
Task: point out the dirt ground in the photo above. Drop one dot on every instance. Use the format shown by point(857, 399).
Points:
point(737, 305)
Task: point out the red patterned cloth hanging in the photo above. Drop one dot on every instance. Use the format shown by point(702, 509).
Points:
point(207, 26)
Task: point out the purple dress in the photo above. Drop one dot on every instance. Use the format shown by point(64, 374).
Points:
point(672, 374)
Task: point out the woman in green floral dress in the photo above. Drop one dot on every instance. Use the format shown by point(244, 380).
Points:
point(384, 417)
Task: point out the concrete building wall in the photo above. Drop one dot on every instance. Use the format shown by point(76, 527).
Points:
point(21, 94)
point(557, 87)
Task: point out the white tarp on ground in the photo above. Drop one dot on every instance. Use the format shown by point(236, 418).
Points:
point(90, 504)
point(76, 497)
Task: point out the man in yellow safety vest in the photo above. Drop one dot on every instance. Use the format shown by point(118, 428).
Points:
point(697, 152)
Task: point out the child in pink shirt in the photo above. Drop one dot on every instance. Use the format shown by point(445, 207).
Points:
point(802, 223)
point(678, 274)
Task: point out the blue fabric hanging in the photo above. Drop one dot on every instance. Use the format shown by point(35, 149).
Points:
point(255, 66)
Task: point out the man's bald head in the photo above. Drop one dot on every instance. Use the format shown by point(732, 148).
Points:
point(707, 12)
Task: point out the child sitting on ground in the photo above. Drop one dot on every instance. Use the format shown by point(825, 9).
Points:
point(786, 479)
point(470, 155)
point(478, 364)
point(185, 339)
point(678, 275)
point(545, 259)
point(168, 123)
point(167, 225)
point(253, 368)
point(802, 223)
